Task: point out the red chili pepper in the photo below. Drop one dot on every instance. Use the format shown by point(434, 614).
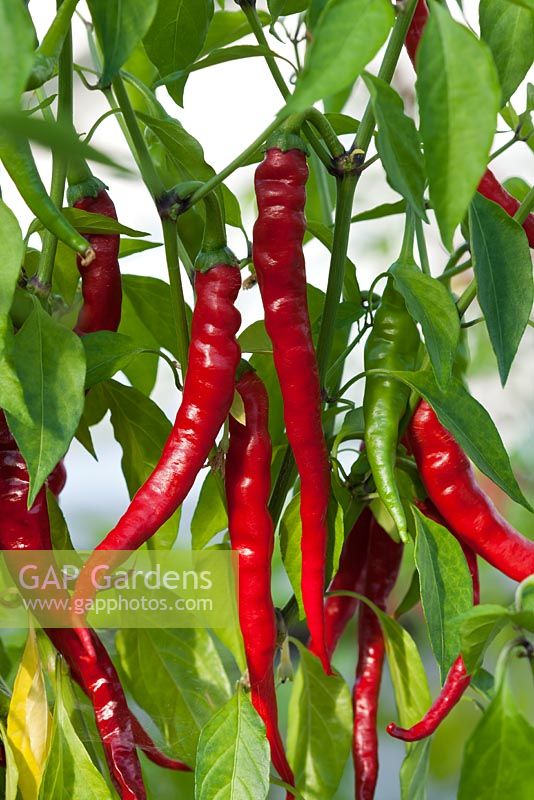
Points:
point(489, 186)
point(248, 483)
point(279, 262)
point(350, 576)
point(457, 679)
point(101, 279)
point(383, 561)
point(450, 482)
point(207, 396)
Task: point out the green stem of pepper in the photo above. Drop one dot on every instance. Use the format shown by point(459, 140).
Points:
point(466, 298)
point(421, 246)
point(455, 257)
point(42, 280)
point(457, 270)
point(525, 208)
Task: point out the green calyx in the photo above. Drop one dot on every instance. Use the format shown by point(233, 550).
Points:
point(88, 188)
point(285, 140)
point(209, 258)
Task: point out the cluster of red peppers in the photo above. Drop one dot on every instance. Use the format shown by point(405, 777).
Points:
point(370, 558)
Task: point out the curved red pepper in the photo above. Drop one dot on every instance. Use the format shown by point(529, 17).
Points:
point(489, 186)
point(101, 279)
point(248, 483)
point(469, 514)
point(383, 561)
point(457, 679)
point(280, 184)
point(350, 576)
point(207, 396)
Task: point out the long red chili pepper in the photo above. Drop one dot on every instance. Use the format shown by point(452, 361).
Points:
point(101, 279)
point(280, 184)
point(450, 483)
point(457, 679)
point(350, 576)
point(383, 560)
point(207, 397)
point(489, 186)
point(248, 483)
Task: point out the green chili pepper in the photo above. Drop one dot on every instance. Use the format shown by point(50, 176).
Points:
point(393, 344)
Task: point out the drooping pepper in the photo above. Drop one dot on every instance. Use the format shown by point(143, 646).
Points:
point(207, 397)
point(457, 679)
point(248, 483)
point(451, 485)
point(392, 345)
point(280, 184)
point(350, 576)
point(383, 560)
point(101, 279)
point(489, 186)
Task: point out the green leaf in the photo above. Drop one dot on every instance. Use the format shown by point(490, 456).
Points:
point(290, 536)
point(178, 678)
point(233, 754)
point(220, 56)
point(503, 269)
point(11, 254)
point(446, 587)
point(471, 426)
point(478, 628)
point(141, 429)
point(348, 35)
point(130, 247)
point(16, 52)
point(517, 187)
point(12, 399)
point(431, 304)
point(150, 301)
point(88, 222)
point(255, 339)
point(209, 516)
point(119, 28)
point(282, 8)
point(69, 773)
point(315, 11)
point(320, 728)
point(106, 353)
point(325, 235)
point(59, 532)
point(398, 144)
point(50, 362)
point(414, 771)
point(177, 36)
point(508, 29)
point(459, 97)
point(12, 773)
point(498, 756)
point(229, 26)
point(381, 211)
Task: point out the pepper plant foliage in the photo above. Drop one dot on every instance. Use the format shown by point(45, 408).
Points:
point(396, 439)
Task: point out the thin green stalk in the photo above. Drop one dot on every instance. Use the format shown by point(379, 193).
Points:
point(387, 68)
point(58, 31)
point(346, 352)
point(525, 208)
point(456, 256)
point(170, 241)
point(345, 193)
point(504, 148)
point(466, 298)
point(42, 281)
point(457, 270)
point(421, 246)
point(322, 189)
point(406, 253)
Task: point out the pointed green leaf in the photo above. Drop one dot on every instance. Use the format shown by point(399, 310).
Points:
point(478, 628)
point(508, 29)
point(16, 52)
point(414, 771)
point(209, 516)
point(11, 253)
point(106, 353)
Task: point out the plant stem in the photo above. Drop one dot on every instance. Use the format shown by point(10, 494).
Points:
point(467, 297)
point(504, 148)
point(170, 240)
point(525, 208)
point(406, 253)
point(457, 270)
point(345, 194)
point(421, 246)
point(456, 256)
point(42, 280)
point(323, 189)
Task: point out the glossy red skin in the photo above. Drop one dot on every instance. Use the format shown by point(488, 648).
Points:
point(383, 561)
point(350, 576)
point(457, 679)
point(450, 483)
point(207, 397)
point(280, 184)
point(489, 186)
point(101, 280)
point(248, 484)
point(22, 529)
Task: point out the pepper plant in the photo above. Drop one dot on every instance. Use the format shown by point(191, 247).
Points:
point(331, 443)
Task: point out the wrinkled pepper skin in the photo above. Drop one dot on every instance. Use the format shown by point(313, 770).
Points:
point(280, 184)
point(23, 529)
point(393, 344)
point(451, 485)
point(383, 561)
point(489, 186)
point(350, 576)
point(101, 279)
point(207, 397)
point(458, 679)
point(248, 483)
